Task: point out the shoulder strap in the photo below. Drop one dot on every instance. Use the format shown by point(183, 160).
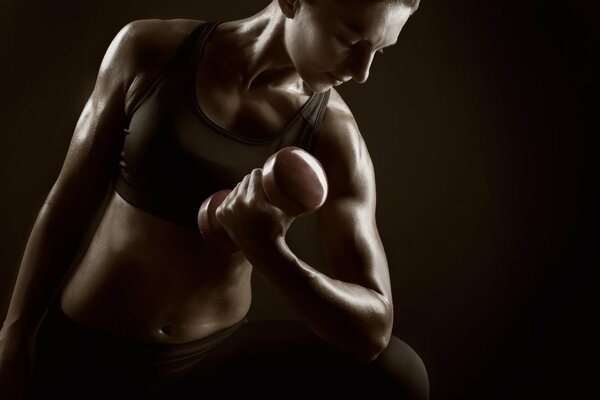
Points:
point(183, 48)
point(314, 116)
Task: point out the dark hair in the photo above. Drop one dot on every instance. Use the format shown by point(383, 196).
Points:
point(412, 4)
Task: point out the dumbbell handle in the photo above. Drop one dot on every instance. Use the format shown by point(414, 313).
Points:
point(293, 180)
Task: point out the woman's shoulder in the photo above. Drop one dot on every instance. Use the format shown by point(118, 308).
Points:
point(338, 120)
point(154, 40)
point(340, 140)
point(146, 47)
point(160, 32)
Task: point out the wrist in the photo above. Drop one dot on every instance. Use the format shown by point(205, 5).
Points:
point(270, 254)
point(13, 338)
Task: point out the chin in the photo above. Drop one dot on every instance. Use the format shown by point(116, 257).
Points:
point(318, 87)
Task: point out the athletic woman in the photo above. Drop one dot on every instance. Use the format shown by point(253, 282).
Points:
point(131, 299)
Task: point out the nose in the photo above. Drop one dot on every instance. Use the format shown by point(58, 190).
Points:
point(360, 64)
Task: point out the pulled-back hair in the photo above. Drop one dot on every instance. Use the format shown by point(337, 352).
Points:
point(412, 4)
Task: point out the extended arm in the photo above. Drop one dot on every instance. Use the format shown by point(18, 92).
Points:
point(134, 59)
point(70, 206)
point(64, 218)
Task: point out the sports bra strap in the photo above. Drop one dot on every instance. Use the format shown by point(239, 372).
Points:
point(179, 54)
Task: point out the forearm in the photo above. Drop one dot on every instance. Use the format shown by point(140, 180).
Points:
point(50, 250)
point(355, 319)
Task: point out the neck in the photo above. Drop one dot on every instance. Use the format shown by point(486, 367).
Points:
point(255, 50)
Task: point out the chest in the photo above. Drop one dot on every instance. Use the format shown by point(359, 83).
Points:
point(258, 113)
point(212, 134)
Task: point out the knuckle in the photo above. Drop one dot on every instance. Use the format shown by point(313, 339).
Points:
point(243, 181)
point(224, 208)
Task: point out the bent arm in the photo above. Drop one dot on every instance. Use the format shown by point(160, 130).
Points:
point(349, 316)
point(351, 308)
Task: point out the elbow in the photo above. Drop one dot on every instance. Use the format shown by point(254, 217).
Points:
point(377, 337)
point(377, 344)
point(371, 351)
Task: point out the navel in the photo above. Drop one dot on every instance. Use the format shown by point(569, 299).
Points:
point(166, 329)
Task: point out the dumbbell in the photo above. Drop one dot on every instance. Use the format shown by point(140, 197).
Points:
point(293, 180)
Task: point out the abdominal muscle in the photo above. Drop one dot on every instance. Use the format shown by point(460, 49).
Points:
point(154, 281)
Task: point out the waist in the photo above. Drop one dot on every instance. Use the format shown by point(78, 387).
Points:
point(57, 318)
point(61, 339)
point(150, 280)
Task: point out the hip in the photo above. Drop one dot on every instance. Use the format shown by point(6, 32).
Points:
point(69, 356)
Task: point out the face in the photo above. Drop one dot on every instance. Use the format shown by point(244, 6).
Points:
point(330, 43)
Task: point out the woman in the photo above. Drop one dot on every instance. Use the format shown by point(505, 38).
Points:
point(181, 109)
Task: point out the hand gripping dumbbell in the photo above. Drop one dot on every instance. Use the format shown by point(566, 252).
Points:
point(293, 180)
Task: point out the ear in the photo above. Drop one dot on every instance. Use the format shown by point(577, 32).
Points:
point(288, 7)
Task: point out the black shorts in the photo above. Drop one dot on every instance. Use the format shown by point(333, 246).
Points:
point(273, 359)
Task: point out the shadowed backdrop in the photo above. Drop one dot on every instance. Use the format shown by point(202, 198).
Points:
point(479, 125)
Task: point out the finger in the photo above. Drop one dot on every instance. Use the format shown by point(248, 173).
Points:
point(231, 195)
point(243, 185)
point(255, 189)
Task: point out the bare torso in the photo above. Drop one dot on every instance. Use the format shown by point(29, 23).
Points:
point(149, 279)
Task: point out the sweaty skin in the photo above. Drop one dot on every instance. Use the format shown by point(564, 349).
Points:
point(149, 279)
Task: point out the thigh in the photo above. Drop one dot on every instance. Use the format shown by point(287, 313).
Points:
point(276, 359)
point(277, 349)
point(70, 362)
point(400, 370)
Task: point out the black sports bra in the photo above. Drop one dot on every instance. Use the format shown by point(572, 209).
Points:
point(174, 156)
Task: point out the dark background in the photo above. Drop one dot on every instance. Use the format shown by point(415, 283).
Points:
point(479, 123)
